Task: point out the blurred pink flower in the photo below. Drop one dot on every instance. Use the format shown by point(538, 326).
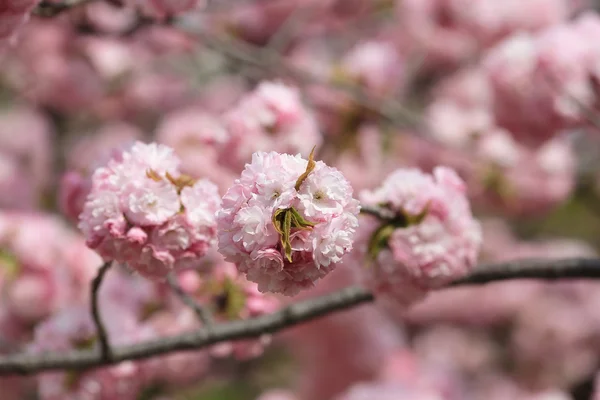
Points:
point(431, 239)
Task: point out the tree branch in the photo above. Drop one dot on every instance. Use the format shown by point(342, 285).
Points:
point(105, 351)
point(49, 9)
point(575, 268)
point(202, 313)
point(242, 329)
point(566, 268)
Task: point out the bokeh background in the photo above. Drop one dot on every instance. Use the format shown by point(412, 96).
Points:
point(504, 91)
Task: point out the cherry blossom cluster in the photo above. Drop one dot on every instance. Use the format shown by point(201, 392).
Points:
point(429, 239)
point(546, 82)
point(25, 159)
point(286, 222)
point(142, 212)
point(36, 284)
point(451, 31)
point(270, 117)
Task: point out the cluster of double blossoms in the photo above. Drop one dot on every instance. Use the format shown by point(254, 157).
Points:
point(285, 223)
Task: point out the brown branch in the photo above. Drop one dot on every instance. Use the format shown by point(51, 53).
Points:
point(242, 329)
point(105, 350)
point(202, 313)
point(49, 9)
point(295, 314)
point(567, 268)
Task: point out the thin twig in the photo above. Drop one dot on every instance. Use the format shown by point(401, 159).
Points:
point(381, 213)
point(105, 350)
point(576, 268)
point(285, 34)
point(49, 9)
point(202, 313)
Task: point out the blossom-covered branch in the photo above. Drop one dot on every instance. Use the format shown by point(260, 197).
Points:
point(289, 316)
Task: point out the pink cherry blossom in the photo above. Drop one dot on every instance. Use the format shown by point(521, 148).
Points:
point(272, 117)
point(542, 83)
point(387, 391)
point(323, 210)
point(36, 284)
point(375, 65)
point(432, 239)
point(142, 212)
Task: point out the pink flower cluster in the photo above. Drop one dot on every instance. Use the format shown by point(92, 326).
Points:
point(36, 284)
point(25, 157)
point(287, 222)
point(13, 13)
point(430, 240)
point(546, 82)
point(271, 117)
point(84, 156)
point(375, 65)
point(142, 212)
point(451, 31)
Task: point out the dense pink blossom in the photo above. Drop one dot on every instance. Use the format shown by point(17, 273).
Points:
point(320, 204)
point(36, 284)
point(451, 31)
point(272, 117)
point(142, 212)
point(278, 394)
point(25, 157)
point(374, 65)
point(543, 82)
point(85, 155)
point(388, 391)
point(432, 239)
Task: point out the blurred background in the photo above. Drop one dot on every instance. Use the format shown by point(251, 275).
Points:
point(504, 91)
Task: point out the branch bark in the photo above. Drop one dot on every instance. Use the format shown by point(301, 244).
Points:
point(49, 9)
point(105, 351)
point(575, 268)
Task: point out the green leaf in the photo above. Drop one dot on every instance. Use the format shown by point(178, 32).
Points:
point(72, 379)
point(85, 343)
point(278, 218)
point(9, 263)
point(236, 300)
point(298, 220)
point(379, 240)
point(284, 219)
point(285, 237)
